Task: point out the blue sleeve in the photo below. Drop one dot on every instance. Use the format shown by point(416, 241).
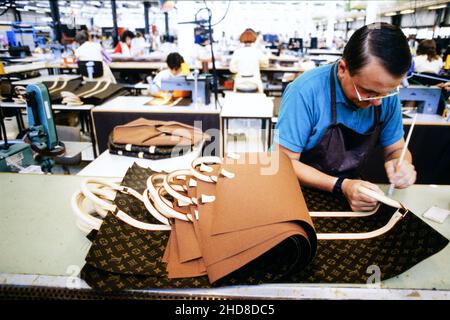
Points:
point(392, 124)
point(294, 124)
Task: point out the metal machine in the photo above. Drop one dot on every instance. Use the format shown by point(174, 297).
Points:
point(41, 136)
point(199, 85)
point(427, 97)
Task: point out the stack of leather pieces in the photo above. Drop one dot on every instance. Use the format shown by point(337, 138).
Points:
point(154, 139)
point(96, 92)
point(55, 88)
point(252, 213)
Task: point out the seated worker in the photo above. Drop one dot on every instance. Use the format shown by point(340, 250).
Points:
point(138, 45)
point(333, 116)
point(427, 60)
point(177, 67)
point(89, 50)
point(246, 62)
point(124, 45)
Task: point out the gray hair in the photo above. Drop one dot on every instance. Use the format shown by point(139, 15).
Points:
point(81, 37)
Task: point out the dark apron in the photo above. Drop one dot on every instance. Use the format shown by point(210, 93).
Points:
point(341, 152)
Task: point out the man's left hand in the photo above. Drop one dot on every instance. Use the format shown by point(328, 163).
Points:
point(401, 176)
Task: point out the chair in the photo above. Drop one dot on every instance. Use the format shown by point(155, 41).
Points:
point(249, 84)
point(66, 133)
point(91, 69)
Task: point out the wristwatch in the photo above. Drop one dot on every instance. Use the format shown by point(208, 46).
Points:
point(337, 189)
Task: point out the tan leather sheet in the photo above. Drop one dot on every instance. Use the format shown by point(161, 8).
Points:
point(257, 195)
point(144, 132)
point(177, 269)
point(252, 213)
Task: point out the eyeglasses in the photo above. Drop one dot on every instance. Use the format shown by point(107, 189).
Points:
point(390, 94)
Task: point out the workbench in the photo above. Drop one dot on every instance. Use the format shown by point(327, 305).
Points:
point(111, 165)
point(247, 106)
point(84, 111)
point(121, 110)
point(41, 248)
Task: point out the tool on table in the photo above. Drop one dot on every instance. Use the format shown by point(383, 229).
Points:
point(199, 85)
point(40, 137)
point(402, 156)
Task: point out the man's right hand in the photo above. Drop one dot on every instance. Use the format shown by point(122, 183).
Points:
point(357, 200)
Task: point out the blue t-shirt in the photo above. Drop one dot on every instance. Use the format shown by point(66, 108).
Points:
point(305, 113)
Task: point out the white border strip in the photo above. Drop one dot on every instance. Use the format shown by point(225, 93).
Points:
point(268, 291)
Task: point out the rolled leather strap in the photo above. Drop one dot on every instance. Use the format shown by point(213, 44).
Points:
point(59, 150)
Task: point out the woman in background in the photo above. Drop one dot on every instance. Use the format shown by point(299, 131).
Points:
point(427, 59)
point(90, 50)
point(124, 46)
point(246, 62)
point(138, 45)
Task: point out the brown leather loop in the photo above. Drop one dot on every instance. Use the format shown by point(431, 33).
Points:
point(50, 153)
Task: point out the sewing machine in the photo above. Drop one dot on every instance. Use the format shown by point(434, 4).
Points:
point(41, 136)
point(199, 85)
point(427, 97)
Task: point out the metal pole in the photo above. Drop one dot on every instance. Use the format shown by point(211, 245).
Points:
point(146, 17)
point(17, 15)
point(166, 20)
point(215, 84)
point(115, 33)
point(54, 11)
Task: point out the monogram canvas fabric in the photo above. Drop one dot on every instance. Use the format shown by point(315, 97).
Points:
point(151, 152)
point(122, 257)
point(55, 95)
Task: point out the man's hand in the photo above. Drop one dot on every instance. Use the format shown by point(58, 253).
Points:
point(401, 177)
point(357, 200)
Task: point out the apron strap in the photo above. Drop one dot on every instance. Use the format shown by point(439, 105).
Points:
point(377, 115)
point(333, 94)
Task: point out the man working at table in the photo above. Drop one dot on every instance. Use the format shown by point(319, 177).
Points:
point(332, 117)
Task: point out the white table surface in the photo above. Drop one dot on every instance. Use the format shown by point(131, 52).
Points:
point(157, 65)
point(84, 107)
point(75, 147)
point(247, 105)
point(137, 104)
point(284, 58)
point(425, 119)
point(110, 165)
point(57, 77)
point(25, 67)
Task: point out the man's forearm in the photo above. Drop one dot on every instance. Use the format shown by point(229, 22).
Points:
point(312, 177)
point(396, 154)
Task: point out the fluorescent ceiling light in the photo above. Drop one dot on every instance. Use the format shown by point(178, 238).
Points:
point(439, 6)
point(407, 11)
point(390, 14)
